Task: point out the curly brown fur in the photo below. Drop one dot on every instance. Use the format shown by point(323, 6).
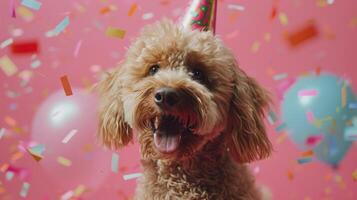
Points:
point(218, 125)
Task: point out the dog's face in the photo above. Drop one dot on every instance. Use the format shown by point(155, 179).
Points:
point(181, 89)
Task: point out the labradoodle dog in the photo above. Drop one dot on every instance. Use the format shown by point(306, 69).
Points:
point(198, 117)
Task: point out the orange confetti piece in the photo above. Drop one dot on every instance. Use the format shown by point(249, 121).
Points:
point(307, 153)
point(273, 13)
point(302, 35)
point(104, 10)
point(354, 175)
point(4, 167)
point(290, 175)
point(10, 121)
point(132, 9)
point(16, 156)
point(318, 71)
point(66, 86)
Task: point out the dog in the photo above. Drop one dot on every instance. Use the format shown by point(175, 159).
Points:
point(198, 117)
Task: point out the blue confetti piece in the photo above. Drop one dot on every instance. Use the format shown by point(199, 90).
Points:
point(9, 175)
point(25, 189)
point(352, 105)
point(350, 134)
point(304, 160)
point(38, 149)
point(61, 26)
point(280, 128)
point(272, 118)
point(115, 161)
point(33, 4)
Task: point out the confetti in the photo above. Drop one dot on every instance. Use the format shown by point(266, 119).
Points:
point(115, 32)
point(78, 47)
point(350, 133)
point(303, 93)
point(132, 9)
point(279, 77)
point(281, 138)
point(9, 175)
point(79, 190)
point(6, 43)
point(272, 118)
point(354, 175)
point(25, 13)
point(352, 105)
point(304, 160)
point(69, 136)
point(64, 161)
point(310, 116)
point(10, 121)
point(35, 64)
point(68, 195)
point(131, 176)
point(343, 96)
point(7, 66)
point(302, 35)
point(33, 4)
point(115, 160)
point(25, 47)
point(308, 153)
point(280, 128)
point(314, 140)
point(236, 7)
point(107, 9)
point(66, 86)
point(25, 189)
point(36, 151)
point(2, 132)
point(283, 19)
point(147, 16)
point(16, 156)
point(12, 9)
point(255, 46)
point(61, 26)
point(273, 12)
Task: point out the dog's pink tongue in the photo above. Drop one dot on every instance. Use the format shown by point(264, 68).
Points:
point(166, 143)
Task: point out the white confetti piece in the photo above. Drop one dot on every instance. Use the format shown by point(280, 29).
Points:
point(147, 16)
point(6, 43)
point(132, 176)
point(115, 161)
point(69, 136)
point(25, 189)
point(236, 7)
point(35, 64)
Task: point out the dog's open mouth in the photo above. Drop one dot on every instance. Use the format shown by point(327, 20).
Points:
point(168, 131)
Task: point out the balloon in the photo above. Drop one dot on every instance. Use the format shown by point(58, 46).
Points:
point(315, 110)
point(75, 160)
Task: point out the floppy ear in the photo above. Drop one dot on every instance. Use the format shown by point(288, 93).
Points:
point(113, 131)
point(247, 140)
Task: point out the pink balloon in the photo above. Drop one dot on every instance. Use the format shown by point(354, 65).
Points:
point(56, 118)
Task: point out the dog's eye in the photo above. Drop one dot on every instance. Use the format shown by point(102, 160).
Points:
point(154, 69)
point(197, 74)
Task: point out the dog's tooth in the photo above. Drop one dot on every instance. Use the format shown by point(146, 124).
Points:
point(156, 122)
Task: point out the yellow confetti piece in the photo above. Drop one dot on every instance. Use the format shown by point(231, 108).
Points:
point(64, 161)
point(281, 138)
point(353, 22)
point(79, 190)
point(132, 9)
point(283, 18)
point(255, 47)
point(115, 32)
point(343, 96)
point(354, 175)
point(7, 66)
point(25, 13)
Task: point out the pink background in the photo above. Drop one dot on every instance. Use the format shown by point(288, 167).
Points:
point(334, 50)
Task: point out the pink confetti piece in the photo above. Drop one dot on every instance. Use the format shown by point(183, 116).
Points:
point(314, 140)
point(69, 136)
point(310, 116)
point(311, 92)
point(78, 47)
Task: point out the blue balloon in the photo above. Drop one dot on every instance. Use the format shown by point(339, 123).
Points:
point(317, 107)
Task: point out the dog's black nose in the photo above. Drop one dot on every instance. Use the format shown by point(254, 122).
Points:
point(166, 97)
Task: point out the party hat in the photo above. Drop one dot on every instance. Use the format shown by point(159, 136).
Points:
point(201, 15)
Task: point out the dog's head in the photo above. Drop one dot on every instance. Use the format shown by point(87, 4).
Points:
point(181, 89)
